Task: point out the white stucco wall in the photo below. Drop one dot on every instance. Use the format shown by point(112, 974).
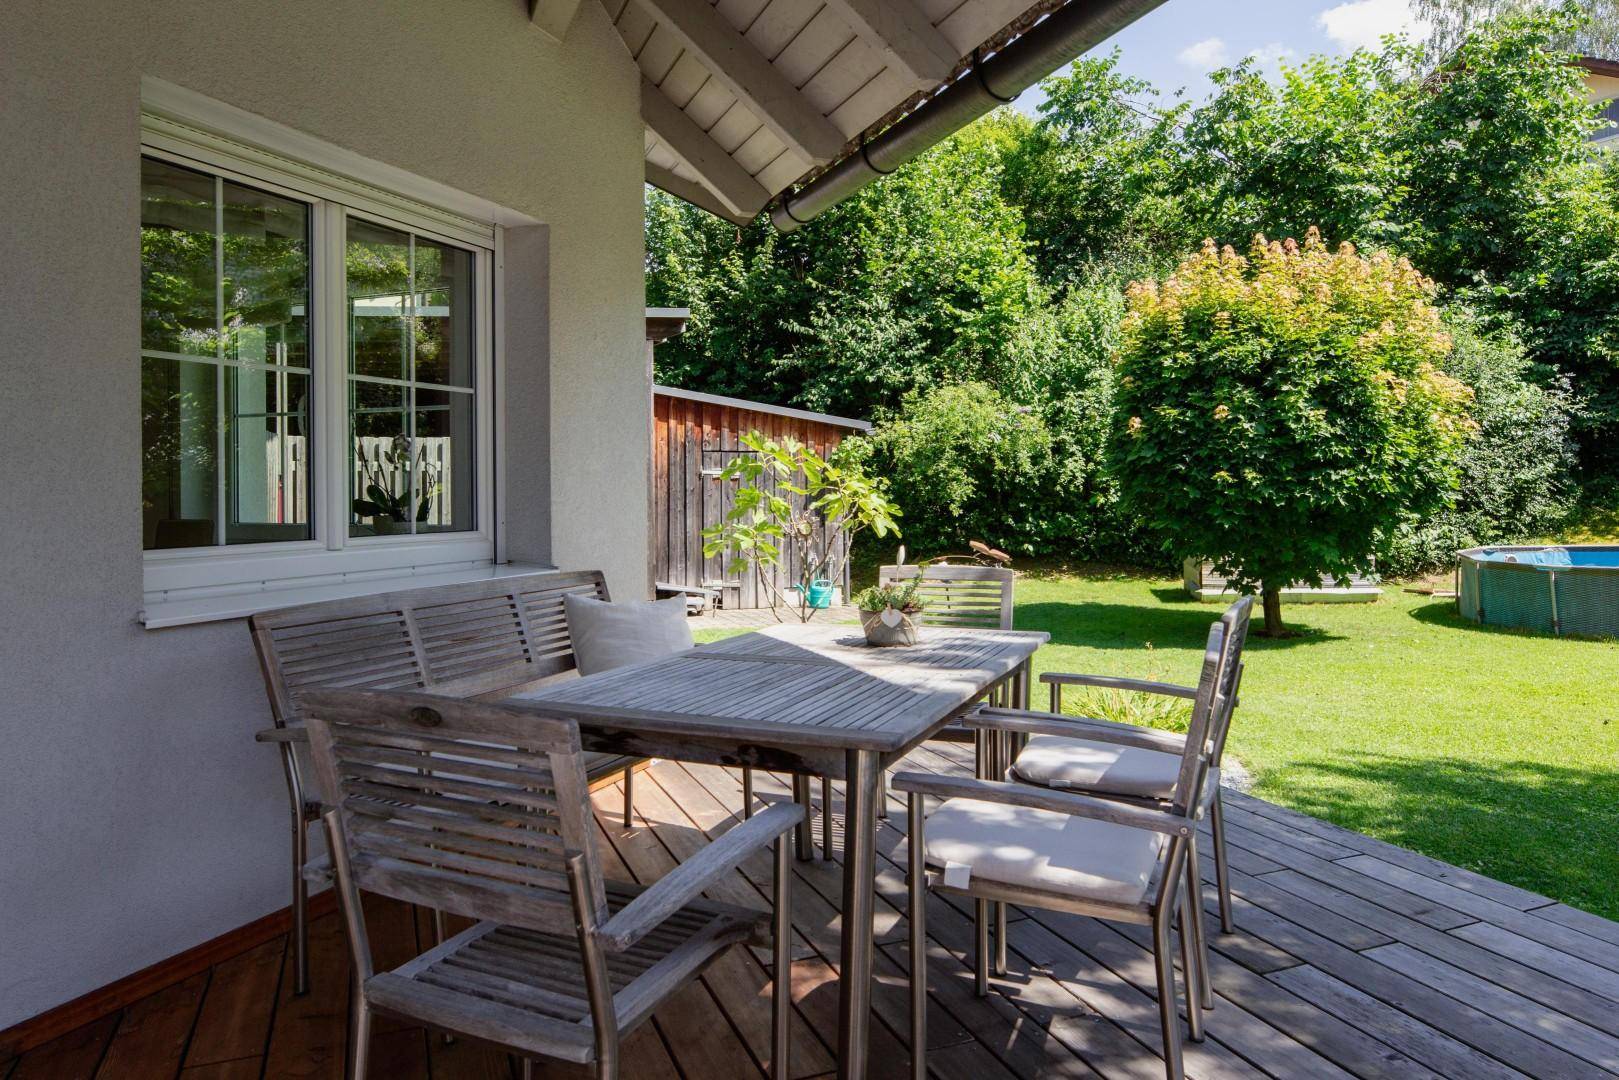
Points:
point(137, 816)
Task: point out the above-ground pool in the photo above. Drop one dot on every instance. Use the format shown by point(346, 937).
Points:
point(1562, 590)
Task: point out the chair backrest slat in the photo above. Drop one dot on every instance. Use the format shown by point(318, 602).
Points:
point(1235, 619)
point(467, 807)
point(1194, 758)
point(964, 596)
point(456, 640)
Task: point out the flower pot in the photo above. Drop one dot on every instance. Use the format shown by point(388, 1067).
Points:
point(883, 630)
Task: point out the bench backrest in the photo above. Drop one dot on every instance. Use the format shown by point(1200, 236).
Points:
point(968, 596)
point(482, 637)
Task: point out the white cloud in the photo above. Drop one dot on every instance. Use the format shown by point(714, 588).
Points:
point(1272, 54)
point(1362, 23)
point(1205, 54)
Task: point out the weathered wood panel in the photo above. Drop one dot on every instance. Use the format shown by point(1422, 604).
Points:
point(691, 442)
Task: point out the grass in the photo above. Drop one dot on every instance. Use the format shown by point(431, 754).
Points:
point(1491, 749)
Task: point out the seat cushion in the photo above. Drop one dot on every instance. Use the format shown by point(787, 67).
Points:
point(1040, 849)
point(607, 636)
point(1057, 761)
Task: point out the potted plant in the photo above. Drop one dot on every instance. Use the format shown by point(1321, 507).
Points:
point(888, 613)
point(796, 515)
point(379, 471)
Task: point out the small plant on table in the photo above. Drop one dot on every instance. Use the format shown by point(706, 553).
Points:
point(888, 612)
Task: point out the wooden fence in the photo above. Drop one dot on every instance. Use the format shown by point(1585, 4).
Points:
point(693, 437)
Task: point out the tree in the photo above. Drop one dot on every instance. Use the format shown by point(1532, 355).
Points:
point(1450, 21)
point(1283, 413)
point(1489, 139)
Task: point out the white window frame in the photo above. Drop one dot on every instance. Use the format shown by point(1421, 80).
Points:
point(201, 584)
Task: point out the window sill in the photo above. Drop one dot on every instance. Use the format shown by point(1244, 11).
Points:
point(159, 614)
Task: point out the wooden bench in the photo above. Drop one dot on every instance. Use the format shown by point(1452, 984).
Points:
point(483, 640)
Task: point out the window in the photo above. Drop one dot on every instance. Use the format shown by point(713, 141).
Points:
point(225, 374)
point(316, 379)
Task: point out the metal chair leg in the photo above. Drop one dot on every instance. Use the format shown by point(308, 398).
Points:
point(1168, 1019)
point(826, 818)
point(806, 827)
point(359, 1054)
point(1222, 870)
point(300, 904)
point(882, 794)
point(747, 792)
point(1000, 937)
point(917, 872)
point(1194, 901)
point(527, 1068)
point(629, 797)
point(1190, 965)
point(981, 947)
point(781, 994)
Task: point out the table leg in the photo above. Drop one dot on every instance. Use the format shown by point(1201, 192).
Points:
point(859, 870)
point(806, 827)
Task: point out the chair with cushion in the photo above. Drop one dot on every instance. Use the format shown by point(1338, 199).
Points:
point(1000, 842)
point(484, 639)
point(482, 810)
point(1092, 760)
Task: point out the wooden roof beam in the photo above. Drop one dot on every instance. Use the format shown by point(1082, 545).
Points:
point(553, 17)
point(900, 30)
point(754, 80)
point(694, 193)
point(726, 182)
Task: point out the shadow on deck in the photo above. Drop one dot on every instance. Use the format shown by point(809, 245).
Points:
point(1352, 958)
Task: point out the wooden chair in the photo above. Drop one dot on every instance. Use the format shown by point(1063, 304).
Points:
point(1092, 761)
point(976, 597)
point(483, 810)
point(482, 639)
point(999, 842)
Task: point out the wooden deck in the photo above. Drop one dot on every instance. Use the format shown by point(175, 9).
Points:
point(1353, 958)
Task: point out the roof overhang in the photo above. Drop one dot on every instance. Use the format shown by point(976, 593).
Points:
point(744, 100)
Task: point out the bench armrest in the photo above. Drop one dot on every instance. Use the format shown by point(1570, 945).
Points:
point(687, 881)
point(1038, 798)
point(1119, 682)
point(1075, 727)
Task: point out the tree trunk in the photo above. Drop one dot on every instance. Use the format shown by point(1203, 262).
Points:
point(1271, 595)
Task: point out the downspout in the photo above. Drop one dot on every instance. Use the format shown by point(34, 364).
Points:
point(1050, 44)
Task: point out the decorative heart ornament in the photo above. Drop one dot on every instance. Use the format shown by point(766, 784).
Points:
point(892, 617)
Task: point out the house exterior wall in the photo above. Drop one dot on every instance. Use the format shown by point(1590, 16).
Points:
point(1604, 90)
point(137, 816)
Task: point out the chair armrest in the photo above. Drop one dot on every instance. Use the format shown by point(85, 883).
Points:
point(1075, 727)
point(1038, 798)
point(282, 735)
point(687, 881)
point(1119, 682)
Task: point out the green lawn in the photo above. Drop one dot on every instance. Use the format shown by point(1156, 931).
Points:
point(1494, 750)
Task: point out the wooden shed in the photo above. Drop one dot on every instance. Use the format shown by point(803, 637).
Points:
point(693, 436)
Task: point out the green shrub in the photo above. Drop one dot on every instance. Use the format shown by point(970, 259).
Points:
point(1282, 413)
point(1517, 474)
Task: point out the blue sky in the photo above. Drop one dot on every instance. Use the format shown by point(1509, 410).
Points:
point(1178, 44)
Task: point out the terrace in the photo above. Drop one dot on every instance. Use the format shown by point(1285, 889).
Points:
point(1352, 958)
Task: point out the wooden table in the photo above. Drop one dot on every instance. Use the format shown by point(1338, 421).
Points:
point(812, 700)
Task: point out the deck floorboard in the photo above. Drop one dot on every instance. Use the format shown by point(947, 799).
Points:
point(1352, 958)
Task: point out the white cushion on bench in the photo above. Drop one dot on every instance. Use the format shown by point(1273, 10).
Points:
point(607, 636)
point(1016, 845)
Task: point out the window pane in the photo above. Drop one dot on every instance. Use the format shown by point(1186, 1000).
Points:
point(179, 309)
point(268, 480)
point(445, 451)
point(380, 459)
point(377, 265)
point(444, 344)
point(266, 286)
point(179, 453)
